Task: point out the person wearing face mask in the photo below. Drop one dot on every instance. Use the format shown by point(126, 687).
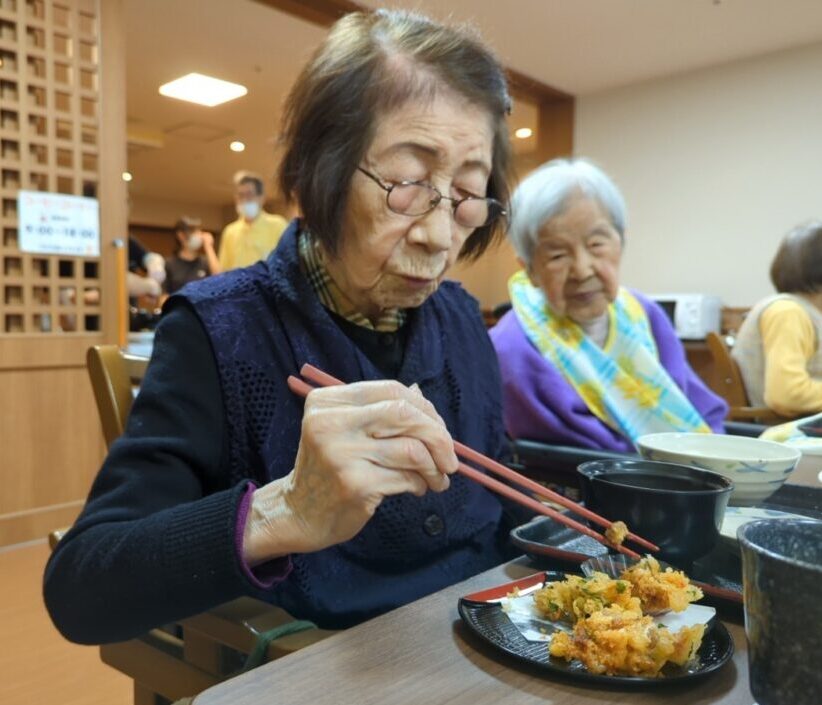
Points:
point(194, 258)
point(585, 361)
point(255, 233)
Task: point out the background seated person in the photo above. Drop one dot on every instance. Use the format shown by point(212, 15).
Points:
point(777, 348)
point(342, 506)
point(584, 361)
point(194, 258)
point(255, 233)
point(146, 271)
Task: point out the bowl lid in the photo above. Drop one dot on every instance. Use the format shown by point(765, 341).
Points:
point(599, 471)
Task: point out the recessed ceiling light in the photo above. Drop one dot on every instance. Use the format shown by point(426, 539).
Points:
point(203, 90)
point(237, 146)
point(523, 133)
point(127, 176)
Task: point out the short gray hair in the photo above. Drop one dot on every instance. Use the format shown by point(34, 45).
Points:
point(250, 177)
point(371, 63)
point(544, 193)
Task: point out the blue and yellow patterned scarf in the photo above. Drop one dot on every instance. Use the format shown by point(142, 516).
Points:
point(622, 383)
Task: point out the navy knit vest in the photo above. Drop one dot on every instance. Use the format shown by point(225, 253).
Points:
point(264, 322)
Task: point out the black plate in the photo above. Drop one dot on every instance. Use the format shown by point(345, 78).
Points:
point(554, 546)
point(491, 624)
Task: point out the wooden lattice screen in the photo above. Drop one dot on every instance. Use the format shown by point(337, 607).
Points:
point(49, 128)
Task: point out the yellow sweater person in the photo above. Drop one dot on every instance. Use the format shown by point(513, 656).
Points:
point(255, 233)
point(778, 347)
point(778, 355)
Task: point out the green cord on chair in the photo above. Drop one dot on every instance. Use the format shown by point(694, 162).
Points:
point(257, 655)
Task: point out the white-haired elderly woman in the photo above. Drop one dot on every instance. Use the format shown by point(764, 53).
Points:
point(585, 361)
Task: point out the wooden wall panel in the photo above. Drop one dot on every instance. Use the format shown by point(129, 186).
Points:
point(555, 132)
point(62, 129)
point(49, 139)
point(22, 527)
point(46, 461)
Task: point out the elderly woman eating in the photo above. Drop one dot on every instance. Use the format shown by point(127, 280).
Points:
point(344, 505)
point(584, 361)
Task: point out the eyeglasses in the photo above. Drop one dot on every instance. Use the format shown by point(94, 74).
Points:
point(415, 198)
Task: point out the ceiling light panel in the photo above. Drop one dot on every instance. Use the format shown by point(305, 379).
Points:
point(203, 90)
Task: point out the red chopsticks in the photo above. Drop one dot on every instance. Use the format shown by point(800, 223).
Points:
point(323, 379)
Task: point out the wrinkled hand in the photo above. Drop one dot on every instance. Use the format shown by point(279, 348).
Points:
point(360, 443)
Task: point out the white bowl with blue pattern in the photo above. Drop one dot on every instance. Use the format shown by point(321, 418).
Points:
point(757, 468)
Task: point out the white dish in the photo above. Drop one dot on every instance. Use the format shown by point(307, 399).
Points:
point(756, 467)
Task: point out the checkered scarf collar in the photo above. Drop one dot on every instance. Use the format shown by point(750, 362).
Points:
point(312, 260)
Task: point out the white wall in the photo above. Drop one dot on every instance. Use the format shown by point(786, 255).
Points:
point(715, 165)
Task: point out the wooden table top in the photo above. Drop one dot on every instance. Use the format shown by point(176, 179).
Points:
point(422, 653)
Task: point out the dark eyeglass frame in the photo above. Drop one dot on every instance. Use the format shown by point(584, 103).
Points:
point(493, 203)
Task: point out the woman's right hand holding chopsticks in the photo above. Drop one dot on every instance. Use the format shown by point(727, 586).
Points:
point(360, 443)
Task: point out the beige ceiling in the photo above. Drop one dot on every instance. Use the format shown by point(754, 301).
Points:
point(180, 152)
point(583, 46)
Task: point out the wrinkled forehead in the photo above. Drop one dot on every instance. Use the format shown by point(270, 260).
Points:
point(576, 213)
point(445, 130)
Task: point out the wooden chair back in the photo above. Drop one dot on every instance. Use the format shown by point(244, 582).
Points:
point(114, 376)
point(732, 387)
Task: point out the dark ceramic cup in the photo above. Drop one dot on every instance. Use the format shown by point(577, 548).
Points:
point(678, 507)
point(782, 576)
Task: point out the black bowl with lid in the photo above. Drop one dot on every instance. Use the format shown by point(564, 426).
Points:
point(677, 507)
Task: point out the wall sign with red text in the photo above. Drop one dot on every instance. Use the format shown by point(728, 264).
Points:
point(53, 223)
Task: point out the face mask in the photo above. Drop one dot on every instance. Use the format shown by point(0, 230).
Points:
point(195, 242)
point(248, 209)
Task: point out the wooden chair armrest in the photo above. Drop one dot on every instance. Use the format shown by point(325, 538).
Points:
point(762, 414)
point(206, 649)
point(157, 665)
point(239, 623)
point(214, 646)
